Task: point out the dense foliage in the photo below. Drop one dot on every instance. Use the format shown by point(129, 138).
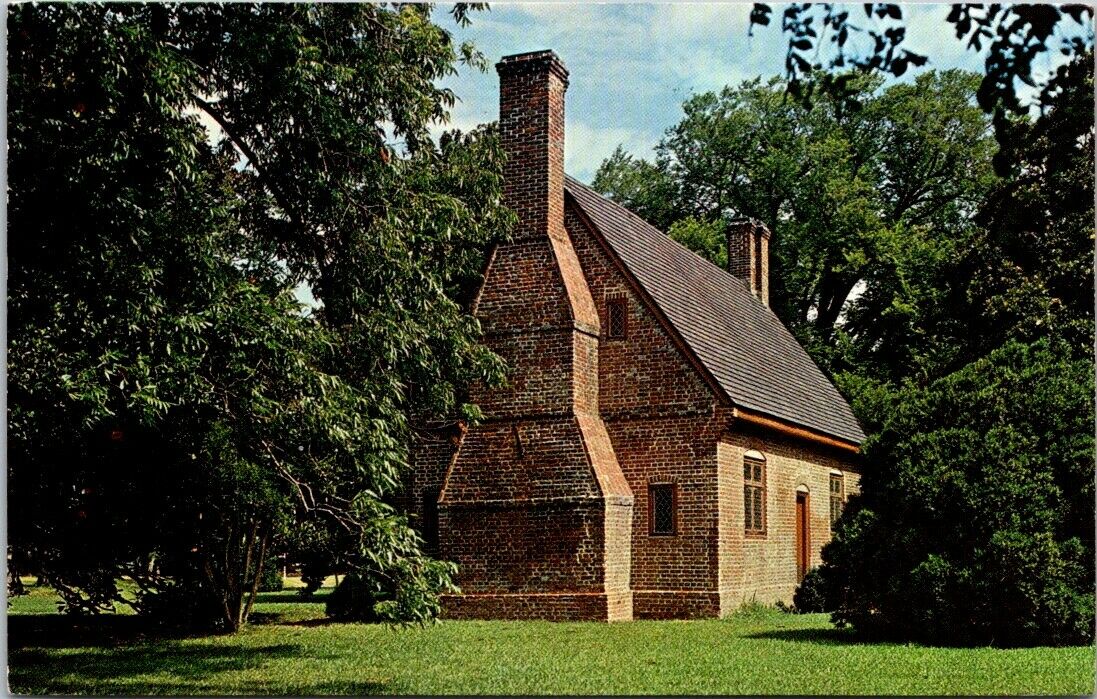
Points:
point(173, 408)
point(976, 520)
point(811, 596)
point(835, 36)
point(975, 523)
point(945, 282)
point(872, 203)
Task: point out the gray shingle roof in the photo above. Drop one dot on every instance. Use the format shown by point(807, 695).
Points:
point(750, 353)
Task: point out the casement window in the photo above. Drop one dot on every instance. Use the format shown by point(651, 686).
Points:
point(754, 494)
point(837, 496)
point(662, 509)
point(430, 519)
point(616, 319)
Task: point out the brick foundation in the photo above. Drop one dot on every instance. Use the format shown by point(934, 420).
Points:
point(675, 604)
point(549, 606)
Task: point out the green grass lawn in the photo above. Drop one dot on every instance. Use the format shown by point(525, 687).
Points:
point(292, 650)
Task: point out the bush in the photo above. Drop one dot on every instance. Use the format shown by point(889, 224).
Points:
point(191, 605)
point(975, 522)
point(313, 576)
point(354, 599)
point(270, 579)
point(810, 596)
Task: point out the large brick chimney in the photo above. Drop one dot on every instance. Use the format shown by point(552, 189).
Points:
point(534, 508)
point(531, 124)
point(748, 254)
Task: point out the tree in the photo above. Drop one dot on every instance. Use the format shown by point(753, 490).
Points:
point(639, 185)
point(1032, 264)
point(975, 521)
point(878, 198)
point(823, 37)
point(172, 407)
point(706, 238)
point(1022, 273)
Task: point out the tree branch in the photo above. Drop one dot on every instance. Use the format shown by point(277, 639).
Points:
point(253, 159)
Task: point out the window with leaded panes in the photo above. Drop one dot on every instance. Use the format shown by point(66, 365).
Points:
point(754, 496)
point(837, 497)
point(616, 319)
point(662, 509)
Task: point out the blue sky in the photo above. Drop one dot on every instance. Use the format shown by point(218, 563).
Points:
point(632, 65)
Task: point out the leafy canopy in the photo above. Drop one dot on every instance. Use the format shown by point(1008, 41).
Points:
point(173, 408)
point(865, 204)
point(832, 37)
point(976, 518)
point(975, 523)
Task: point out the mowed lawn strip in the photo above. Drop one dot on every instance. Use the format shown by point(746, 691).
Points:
point(293, 651)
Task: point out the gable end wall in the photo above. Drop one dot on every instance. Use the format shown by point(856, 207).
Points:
point(661, 418)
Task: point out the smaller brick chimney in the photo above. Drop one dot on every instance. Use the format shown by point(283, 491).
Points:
point(748, 254)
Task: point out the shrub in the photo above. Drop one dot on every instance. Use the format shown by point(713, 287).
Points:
point(399, 594)
point(975, 521)
point(313, 576)
point(810, 596)
point(191, 606)
point(354, 599)
point(270, 579)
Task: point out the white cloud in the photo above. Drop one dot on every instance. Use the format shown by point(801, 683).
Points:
point(587, 146)
point(701, 21)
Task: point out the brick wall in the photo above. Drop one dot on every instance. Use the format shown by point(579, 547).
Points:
point(545, 505)
point(764, 569)
point(667, 427)
point(660, 416)
point(534, 508)
point(644, 375)
point(431, 455)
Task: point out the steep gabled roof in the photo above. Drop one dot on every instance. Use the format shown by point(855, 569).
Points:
point(738, 339)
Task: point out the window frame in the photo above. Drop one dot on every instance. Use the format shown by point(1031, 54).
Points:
point(837, 498)
point(621, 303)
point(430, 525)
point(750, 485)
point(672, 488)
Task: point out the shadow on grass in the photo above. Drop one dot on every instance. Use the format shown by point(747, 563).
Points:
point(318, 621)
point(849, 637)
point(827, 637)
point(172, 668)
point(289, 597)
point(65, 631)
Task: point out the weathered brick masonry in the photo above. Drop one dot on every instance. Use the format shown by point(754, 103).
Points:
point(545, 505)
point(534, 508)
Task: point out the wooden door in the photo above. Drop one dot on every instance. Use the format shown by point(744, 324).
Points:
point(803, 535)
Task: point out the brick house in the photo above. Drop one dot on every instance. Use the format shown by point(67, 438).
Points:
point(665, 448)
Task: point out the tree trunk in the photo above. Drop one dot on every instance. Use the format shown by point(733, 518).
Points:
point(219, 589)
point(258, 576)
point(240, 574)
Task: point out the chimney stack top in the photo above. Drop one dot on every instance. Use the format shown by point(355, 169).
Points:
point(748, 254)
point(533, 62)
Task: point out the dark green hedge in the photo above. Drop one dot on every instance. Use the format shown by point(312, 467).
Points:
point(975, 523)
